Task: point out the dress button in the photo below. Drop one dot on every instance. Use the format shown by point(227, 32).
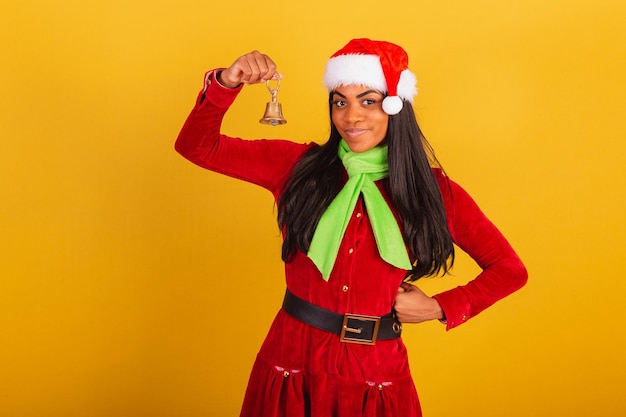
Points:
point(350, 251)
point(380, 387)
point(464, 317)
point(286, 374)
point(358, 215)
point(345, 288)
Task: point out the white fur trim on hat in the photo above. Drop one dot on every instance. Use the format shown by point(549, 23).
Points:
point(407, 86)
point(354, 69)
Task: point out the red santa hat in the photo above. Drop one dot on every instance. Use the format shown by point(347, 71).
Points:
point(377, 64)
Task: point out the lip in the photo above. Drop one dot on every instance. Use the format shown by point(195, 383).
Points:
point(354, 133)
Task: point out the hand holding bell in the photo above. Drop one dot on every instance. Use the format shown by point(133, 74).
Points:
point(252, 68)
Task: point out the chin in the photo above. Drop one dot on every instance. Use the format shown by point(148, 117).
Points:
point(360, 147)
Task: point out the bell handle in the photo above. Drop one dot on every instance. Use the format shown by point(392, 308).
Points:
point(273, 91)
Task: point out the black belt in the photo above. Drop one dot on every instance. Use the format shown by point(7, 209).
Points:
point(351, 328)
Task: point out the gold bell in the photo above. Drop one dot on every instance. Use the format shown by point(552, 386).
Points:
point(273, 110)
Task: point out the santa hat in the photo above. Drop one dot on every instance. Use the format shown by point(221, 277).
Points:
point(377, 64)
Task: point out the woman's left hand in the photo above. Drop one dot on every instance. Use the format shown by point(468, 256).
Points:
point(414, 306)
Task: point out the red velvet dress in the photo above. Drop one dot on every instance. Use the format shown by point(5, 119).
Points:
point(300, 370)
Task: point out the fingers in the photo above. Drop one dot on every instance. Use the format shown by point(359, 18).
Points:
point(251, 68)
point(257, 67)
point(412, 305)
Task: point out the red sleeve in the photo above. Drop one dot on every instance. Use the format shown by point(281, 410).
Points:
point(502, 270)
point(263, 162)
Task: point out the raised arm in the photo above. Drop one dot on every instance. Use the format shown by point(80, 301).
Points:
point(263, 162)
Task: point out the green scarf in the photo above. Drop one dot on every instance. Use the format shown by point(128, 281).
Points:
point(363, 169)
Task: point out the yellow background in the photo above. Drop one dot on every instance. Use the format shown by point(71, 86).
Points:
point(133, 283)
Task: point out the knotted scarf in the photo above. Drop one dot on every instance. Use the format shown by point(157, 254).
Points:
point(363, 169)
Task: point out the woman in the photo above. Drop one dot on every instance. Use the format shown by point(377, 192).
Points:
point(362, 216)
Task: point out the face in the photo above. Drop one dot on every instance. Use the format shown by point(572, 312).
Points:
point(358, 115)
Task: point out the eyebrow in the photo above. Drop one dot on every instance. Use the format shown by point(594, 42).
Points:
point(364, 93)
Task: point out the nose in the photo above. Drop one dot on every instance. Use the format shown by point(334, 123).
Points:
point(353, 114)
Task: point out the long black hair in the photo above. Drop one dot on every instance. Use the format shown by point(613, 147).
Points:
point(412, 186)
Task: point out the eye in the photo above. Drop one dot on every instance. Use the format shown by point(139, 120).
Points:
point(339, 103)
point(369, 101)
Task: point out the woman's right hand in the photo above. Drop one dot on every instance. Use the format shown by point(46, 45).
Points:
point(250, 68)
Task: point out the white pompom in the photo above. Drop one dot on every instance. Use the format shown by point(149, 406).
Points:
point(392, 105)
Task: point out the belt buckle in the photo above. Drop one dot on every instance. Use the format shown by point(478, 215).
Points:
point(356, 328)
